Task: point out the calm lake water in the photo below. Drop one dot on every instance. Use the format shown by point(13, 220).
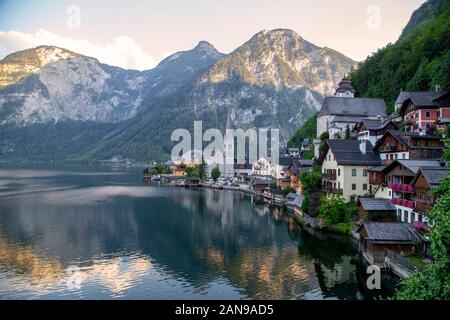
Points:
point(100, 233)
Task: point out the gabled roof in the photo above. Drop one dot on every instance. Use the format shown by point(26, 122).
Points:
point(414, 165)
point(420, 98)
point(390, 232)
point(376, 204)
point(400, 137)
point(433, 175)
point(306, 163)
point(377, 169)
point(372, 124)
point(353, 106)
point(347, 152)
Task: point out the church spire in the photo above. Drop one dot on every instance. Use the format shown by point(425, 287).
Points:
point(345, 88)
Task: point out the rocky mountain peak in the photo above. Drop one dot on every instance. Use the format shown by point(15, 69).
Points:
point(18, 65)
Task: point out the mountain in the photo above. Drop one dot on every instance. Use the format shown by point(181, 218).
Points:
point(57, 85)
point(276, 79)
point(268, 82)
point(427, 11)
point(418, 61)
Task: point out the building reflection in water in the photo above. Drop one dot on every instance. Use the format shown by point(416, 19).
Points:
point(159, 242)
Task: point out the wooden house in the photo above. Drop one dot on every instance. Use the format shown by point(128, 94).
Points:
point(376, 238)
point(376, 210)
point(426, 179)
point(396, 145)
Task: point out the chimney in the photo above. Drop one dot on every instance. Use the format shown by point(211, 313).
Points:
point(363, 146)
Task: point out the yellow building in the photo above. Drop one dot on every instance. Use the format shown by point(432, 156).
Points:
point(345, 165)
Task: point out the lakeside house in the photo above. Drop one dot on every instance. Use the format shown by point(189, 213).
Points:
point(376, 210)
point(345, 165)
point(396, 180)
point(343, 111)
point(377, 239)
point(408, 145)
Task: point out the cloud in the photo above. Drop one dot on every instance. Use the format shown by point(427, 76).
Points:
point(122, 51)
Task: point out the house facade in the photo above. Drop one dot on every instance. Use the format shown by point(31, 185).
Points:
point(396, 145)
point(345, 165)
point(373, 130)
point(422, 110)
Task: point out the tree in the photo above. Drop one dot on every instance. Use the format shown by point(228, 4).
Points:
point(190, 172)
point(288, 190)
point(348, 134)
point(201, 169)
point(215, 173)
point(334, 210)
point(311, 180)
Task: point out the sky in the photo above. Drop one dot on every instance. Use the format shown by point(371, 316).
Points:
point(137, 34)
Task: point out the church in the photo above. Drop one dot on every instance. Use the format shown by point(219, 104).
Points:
point(343, 110)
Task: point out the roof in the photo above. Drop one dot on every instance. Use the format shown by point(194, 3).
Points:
point(353, 106)
point(420, 98)
point(376, 204)
point(433, 175)
point(306, 163)
point(372, 124)
point(348, 152)
point(345, 85)
point(377, 169)
point(285, 161)
point(443, 120)
point(347, 119)
point(415, 165)
point(264, 182)
point(400, 137)
point(398, 232)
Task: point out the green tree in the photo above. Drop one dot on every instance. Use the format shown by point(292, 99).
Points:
point(190, 172)
point(288, 190)
point(334, 210)
point(215, 173)
point(201, 169)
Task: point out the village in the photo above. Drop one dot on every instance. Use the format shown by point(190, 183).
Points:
point(370, 178)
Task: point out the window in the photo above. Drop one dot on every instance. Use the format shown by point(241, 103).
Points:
point(396, 156)
point(339, 172)
point(365, 173)
point(329, 157)
point(390, 193)
point(417, 115)
point(427, 114)
point(404, 156)
point(428, 125)
point(354, 186)
point(353, 172)
point(365, 186)
point(438, 114)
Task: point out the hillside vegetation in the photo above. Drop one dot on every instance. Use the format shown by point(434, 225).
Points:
point(418, 61)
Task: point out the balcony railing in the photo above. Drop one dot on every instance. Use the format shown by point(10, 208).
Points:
point(424, 204)
point(329, 176)
point(403, 203)
point(332, 190)
point(402, 187)
point(388, 149)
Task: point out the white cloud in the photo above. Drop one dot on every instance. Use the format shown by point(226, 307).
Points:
point(123, 51)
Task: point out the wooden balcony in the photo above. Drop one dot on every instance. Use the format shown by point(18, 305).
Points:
point(388, 149)
point(425, 204)
point(329, 176)
point(331, 190)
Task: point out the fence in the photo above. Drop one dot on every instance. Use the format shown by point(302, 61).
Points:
point(403, 262)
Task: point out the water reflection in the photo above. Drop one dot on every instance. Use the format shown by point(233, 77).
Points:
point(147, 242)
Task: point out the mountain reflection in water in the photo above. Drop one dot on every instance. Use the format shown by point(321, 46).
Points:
point(135, 241)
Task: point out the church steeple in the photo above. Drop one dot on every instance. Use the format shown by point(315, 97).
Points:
point(345, 89)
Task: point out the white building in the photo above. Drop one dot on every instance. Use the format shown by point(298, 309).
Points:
point(343, 109)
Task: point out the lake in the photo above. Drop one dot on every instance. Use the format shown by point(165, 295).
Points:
point(102, 233)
